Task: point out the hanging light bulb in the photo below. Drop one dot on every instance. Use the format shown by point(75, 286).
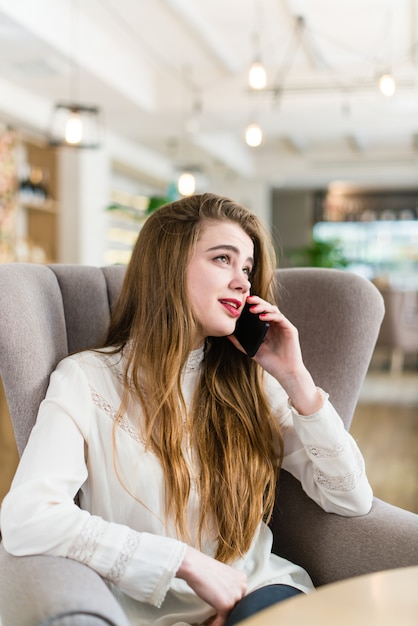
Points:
point(75, 125)
point(253, 135)
point(72, 123)
point(257, 75)
point(186, 184)
point(387, 85)
point(74, 129)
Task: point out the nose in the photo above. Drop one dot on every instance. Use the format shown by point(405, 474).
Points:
point(240, 283)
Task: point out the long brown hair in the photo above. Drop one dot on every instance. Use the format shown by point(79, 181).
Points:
point(229, 421)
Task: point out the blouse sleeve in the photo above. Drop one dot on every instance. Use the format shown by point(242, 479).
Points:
point(323, 456)
point(39, 515)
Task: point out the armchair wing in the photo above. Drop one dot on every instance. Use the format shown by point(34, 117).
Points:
point(338, 315)
point(44, 314)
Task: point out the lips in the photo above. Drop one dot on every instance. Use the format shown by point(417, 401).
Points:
point(232, 306)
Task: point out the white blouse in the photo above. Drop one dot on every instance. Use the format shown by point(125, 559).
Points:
point(120, 530)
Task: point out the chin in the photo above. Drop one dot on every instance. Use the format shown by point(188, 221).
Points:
point(224, 332)
point(221, 330)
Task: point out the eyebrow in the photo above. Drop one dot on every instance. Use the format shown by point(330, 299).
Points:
point(231, 248)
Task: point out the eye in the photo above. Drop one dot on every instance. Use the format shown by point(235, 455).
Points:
point(224, 258)
point(248, 271)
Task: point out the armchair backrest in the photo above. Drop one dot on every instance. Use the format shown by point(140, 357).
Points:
point(338, 315)
point(47, 312)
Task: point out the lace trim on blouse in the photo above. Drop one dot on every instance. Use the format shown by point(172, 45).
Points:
point(194, 360)
point(193, 363)
point(337, 483)
point(324, 453)
point(86, 543)
point(345, 483)
point(111, 412)
point(118, 568)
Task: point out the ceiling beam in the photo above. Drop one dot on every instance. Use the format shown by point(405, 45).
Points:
point(205, 34)
point(31, 113)
point(357, 141)
point(227, 149)
point(129, 154)
point(296, 143)
point(24, 108)
point(106, 57)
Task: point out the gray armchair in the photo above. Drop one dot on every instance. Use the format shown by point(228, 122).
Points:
point(47, 312)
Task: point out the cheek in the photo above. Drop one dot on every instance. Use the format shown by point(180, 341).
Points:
point(201, 278)
point(192, 282)
point(196, 291)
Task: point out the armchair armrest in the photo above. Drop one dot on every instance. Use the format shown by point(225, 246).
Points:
point(331, 547)
point(46, 590)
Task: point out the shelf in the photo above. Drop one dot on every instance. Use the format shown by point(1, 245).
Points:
point(49, 206)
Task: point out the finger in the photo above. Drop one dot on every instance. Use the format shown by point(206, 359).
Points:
point(259, 306)
point(215, 620)
point(271, 313)
point(272, 310)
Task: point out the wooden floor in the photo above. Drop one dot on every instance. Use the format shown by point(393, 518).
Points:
point(8, 452)
point(385, 425)
point(388, 438)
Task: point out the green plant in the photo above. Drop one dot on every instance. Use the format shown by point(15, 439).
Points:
point(320, 254)
point(155, 202)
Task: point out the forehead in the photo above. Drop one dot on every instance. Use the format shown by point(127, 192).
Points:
point(216, 232)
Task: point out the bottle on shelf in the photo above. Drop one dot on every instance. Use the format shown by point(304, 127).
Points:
point(32, 187)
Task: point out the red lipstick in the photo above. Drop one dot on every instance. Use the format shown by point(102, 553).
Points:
point(232, 305)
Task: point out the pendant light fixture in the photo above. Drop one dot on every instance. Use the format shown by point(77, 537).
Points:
point(186, 183)
point(73, 124)
point(386, 81)
point(387, 84)
point(257, 75)
point(253, 135)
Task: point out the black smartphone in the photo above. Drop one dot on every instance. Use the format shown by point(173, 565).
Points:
point(250, 330)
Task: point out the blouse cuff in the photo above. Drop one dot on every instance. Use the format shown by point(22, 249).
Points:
point(152, 568)
point(141, 564)
point(324, 428)
point(324, 395)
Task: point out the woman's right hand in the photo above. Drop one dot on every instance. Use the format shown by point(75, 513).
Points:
point(218, 584)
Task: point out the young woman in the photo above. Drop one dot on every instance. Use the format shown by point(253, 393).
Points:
point(173, 437)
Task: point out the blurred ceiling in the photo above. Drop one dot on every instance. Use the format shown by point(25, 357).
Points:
point(171, 77)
